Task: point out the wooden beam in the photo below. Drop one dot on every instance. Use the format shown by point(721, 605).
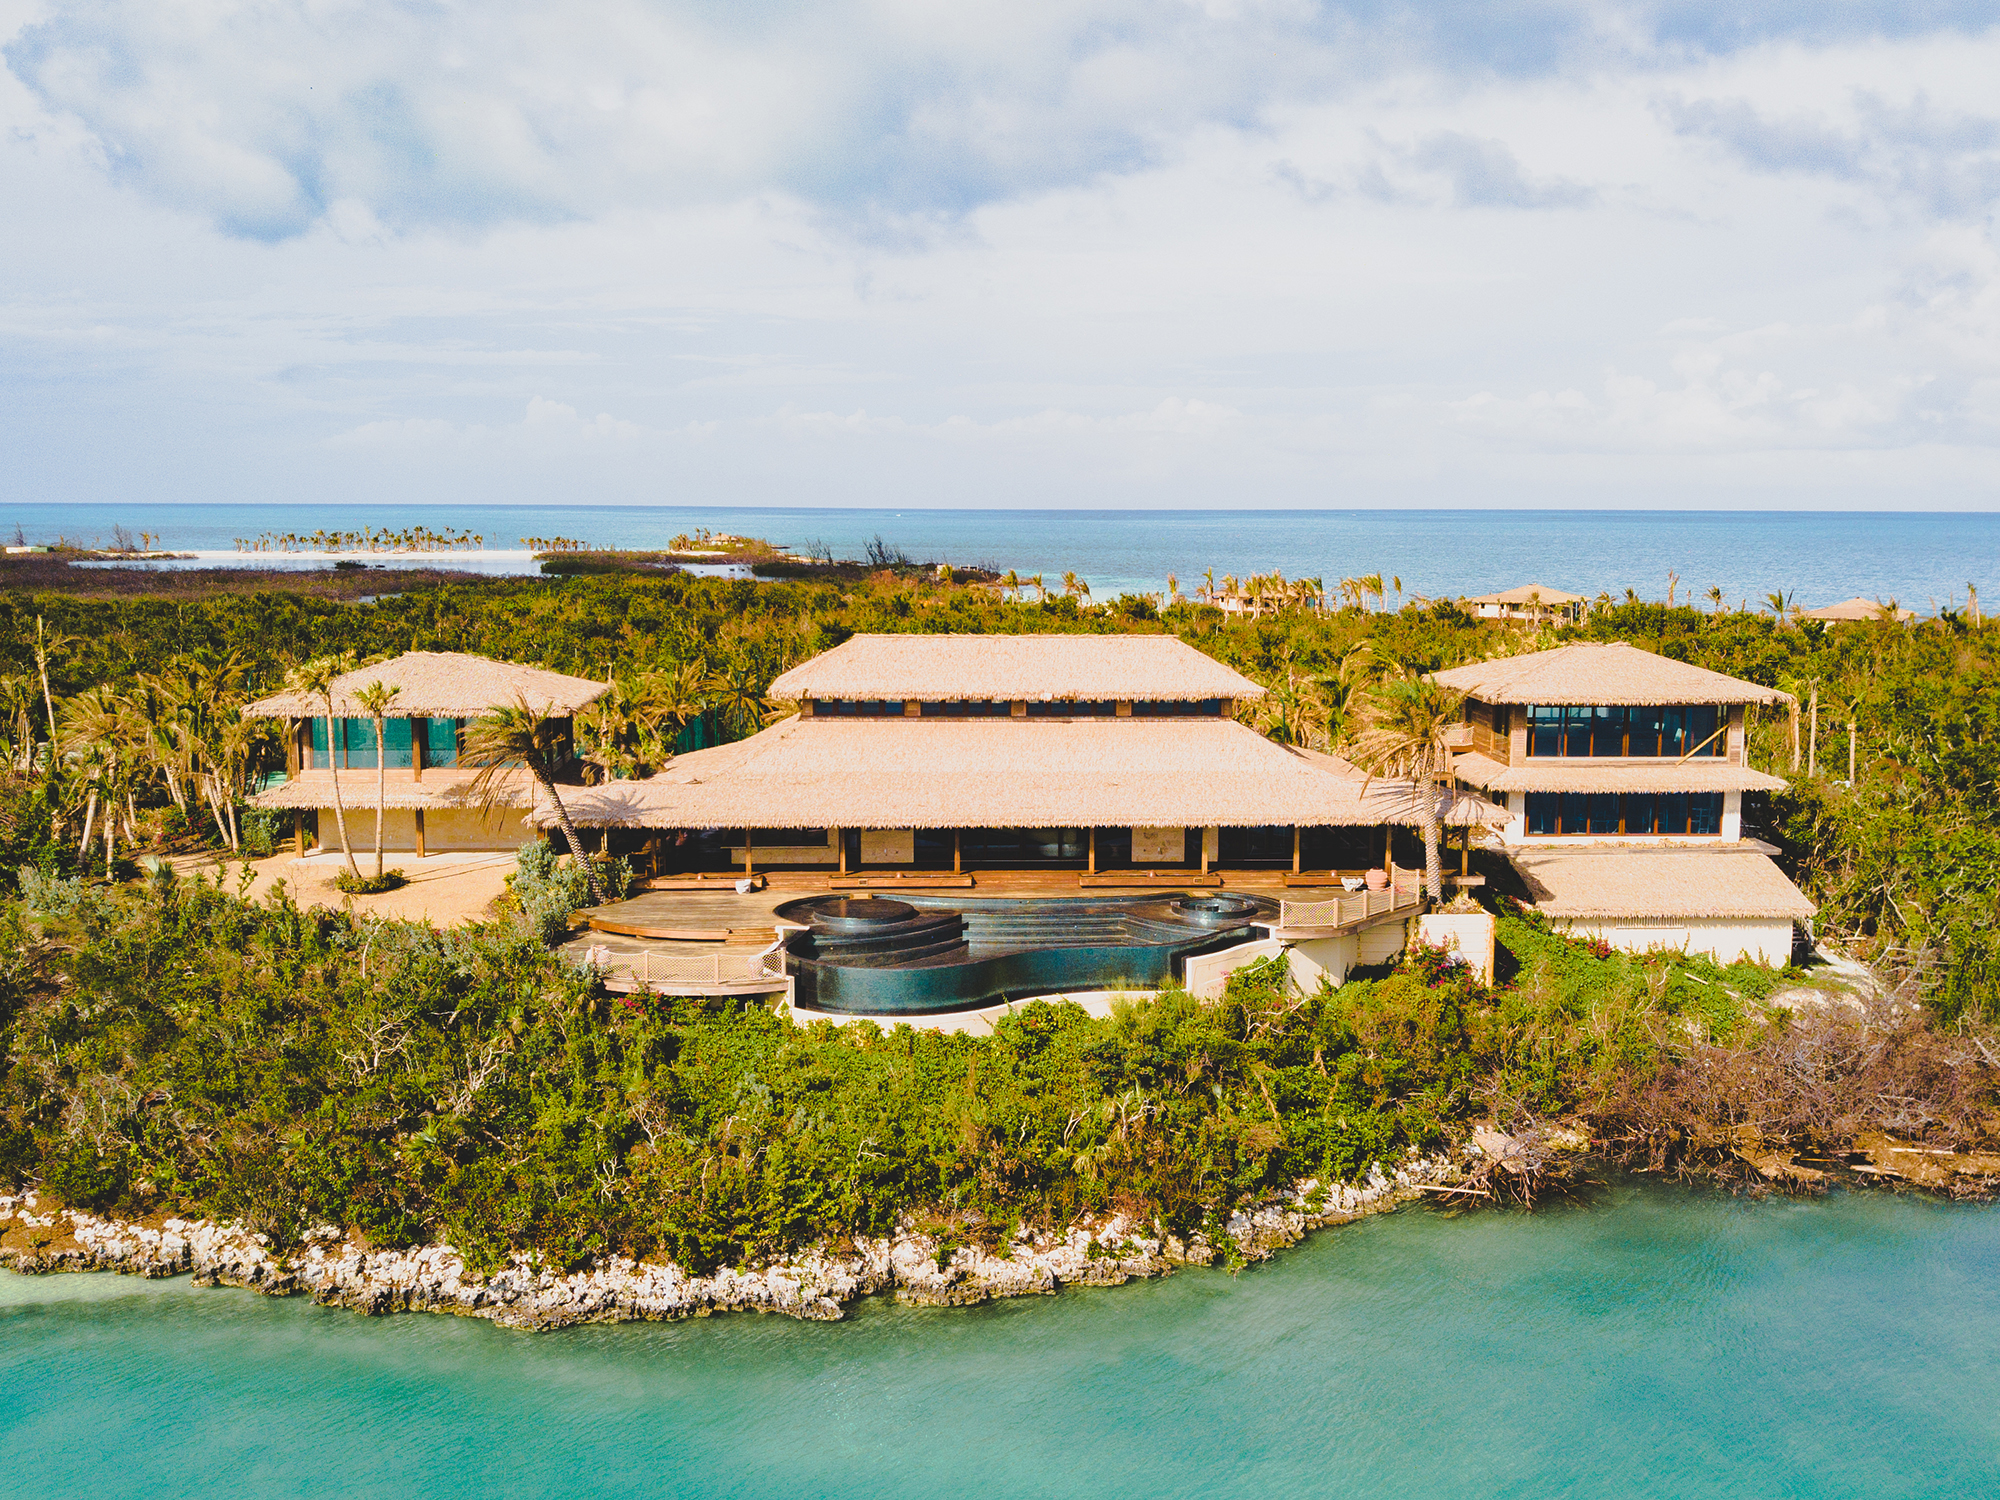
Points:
point(419, 816)
point(749, 835)
point(955, 869)
point(1295, 848)
point(419, 736)
point(1093, 851)
point(299, 834)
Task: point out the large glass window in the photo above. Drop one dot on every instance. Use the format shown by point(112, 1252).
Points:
point(1063, 708)
point(1556, 814)
point(440, 742)
point(1596, 730)
point(968, 708)
point(1176, 708)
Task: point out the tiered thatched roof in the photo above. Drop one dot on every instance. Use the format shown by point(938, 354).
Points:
point(1005, 773)
point(1697, 774)
point(1605, 884)
point(1611, 672)
point(1006, 668)
point(442, 684)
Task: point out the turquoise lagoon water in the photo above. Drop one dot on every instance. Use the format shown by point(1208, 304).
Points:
point(1823, 557)
point(1655, 1344)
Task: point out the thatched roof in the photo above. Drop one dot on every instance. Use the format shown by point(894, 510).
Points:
point(1530, 593)
point(1003, 668)
point(1856, 608)
point(443, 787)
point(1699, 773)
point(1004, 773)
point(444, 684)
point(1658, 883)
point(1611, 672)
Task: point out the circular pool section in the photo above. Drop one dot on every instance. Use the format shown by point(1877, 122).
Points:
point(920, 955)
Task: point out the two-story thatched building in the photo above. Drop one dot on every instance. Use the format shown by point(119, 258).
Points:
point(957, 753)
point(429, 807)
point(1624, 773)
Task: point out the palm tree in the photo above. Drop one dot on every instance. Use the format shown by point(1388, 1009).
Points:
point(1208, 586)
point(1715, 597)
point(1010, 583)
point(374, 700)
point(1041, 589)
point(1070, 583)
point(515, 735)
point(1397, 581)
point(1173, 588)
point(315, 679)
point(1373, 584)
point(1780, 604)
point(1406, 727)
point(48, 642)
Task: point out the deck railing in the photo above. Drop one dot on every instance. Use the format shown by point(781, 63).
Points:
point(1343, 911)
point(669, 970)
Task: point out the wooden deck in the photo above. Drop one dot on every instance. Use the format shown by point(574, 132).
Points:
point(723, 916)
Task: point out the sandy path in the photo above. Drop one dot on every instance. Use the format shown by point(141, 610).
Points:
point(443, 890)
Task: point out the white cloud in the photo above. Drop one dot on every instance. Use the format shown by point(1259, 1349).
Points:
point(1260, 254)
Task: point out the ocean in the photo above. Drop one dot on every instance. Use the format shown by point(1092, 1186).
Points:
point(1656, 1343)
point(1922, 560)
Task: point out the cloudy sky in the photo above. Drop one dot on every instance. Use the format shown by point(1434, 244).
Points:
point(1001, 252)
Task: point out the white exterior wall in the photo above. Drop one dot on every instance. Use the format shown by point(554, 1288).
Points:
point(1732, 817)
point(1380, 944)
point(1766, 940)
point(1310, 961)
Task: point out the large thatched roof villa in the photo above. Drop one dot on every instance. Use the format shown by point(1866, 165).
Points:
point(428, 804)
point(1624, 773)
point(1097, 753)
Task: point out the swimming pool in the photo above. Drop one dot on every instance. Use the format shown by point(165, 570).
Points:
point(919, 955)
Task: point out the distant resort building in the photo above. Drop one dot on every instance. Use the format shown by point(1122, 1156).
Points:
point(1532, 602)
point(429, 805)
point(1623, 774)
point(1856, 608)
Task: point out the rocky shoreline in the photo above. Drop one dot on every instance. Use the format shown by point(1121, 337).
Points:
point(815, 1284)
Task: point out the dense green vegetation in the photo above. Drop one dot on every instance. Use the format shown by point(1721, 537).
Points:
point(168, 1044)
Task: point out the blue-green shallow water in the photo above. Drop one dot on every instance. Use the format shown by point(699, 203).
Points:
point(1658, 1344)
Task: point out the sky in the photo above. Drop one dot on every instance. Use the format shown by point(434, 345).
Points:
point(1100, 253)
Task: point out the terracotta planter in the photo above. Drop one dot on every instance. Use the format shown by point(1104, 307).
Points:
point(1378, 880)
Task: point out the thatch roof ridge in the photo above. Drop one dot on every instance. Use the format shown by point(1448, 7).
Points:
point(1004, 773)
point(1038, 668)
point(1588, 672)
point(1659, 883)
point(446, 684)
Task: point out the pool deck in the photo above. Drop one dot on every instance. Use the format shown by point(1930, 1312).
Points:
point(708, 942)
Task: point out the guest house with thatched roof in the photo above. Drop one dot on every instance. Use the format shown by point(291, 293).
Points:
point(1105, 755)
point(428, 801)
point(1533, 602)
point(1624, 772)
point(1856, 609)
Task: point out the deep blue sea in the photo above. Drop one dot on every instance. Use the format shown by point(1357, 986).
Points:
point(1655, 1344)
point(1822, 557)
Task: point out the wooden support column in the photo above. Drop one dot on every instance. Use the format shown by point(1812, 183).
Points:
point(749, 837)
point(1295, 848)
point(1093, 851)
point(840, 842)
point(1389, 849)
point(418, 816)
point(419, 734)
point(299, 834)
point(955, 867)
